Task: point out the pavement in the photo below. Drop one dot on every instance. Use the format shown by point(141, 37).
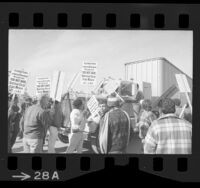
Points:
point(134, 147)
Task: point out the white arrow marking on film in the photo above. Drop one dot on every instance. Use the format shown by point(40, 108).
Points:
point(23, 176)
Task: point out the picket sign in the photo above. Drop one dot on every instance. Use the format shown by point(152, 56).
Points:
point(111, 86)
point(93, 106)
point(99, 85)
point(17, 81)
point(43, 85)
point(57, 85)
point(73, 81)
point(134, 89)
point(89, 73)
point(184, 87)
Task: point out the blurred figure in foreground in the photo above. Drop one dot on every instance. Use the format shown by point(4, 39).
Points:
point(168, 134)
point(114, 129)
point(13, 122)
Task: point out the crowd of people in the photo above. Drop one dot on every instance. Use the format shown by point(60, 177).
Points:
point(161, 131)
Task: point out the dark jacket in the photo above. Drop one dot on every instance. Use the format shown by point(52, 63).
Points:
point(35, 122)
point(56, 116)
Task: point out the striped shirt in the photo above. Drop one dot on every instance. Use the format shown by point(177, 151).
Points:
point(169, 135)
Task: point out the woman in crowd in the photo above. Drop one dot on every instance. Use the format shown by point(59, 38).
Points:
point(78, 120)
point(146, 118)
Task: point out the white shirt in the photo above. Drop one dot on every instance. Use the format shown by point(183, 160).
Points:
point(77, 119)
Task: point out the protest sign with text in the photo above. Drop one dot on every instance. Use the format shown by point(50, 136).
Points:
point(17, 81)
point(43, 85)
point(89, 71)
point(93, 106)
point(111, 86)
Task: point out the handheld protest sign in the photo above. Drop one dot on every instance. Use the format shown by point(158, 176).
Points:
point(43, 85)
point(93, 106)
point(89, 71)
point(184, 87)
point(17, 81)
point(57, 85)
point(134, 89)
point(111, 86)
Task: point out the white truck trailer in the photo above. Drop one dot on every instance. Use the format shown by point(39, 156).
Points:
point(155, 76)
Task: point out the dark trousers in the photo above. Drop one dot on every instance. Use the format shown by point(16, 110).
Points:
point(13, 132)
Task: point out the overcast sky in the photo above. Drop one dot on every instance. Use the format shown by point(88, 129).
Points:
point(40, 52)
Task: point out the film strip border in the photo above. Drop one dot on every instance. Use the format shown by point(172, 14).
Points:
point(70, 166)
point(87, 20)
point(98, 16)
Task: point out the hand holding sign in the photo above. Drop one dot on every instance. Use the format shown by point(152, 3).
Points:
point(93, 106)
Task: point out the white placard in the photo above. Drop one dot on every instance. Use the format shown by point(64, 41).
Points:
point(17, 81)
point(43, 85)
point(93, 106)
point(111, 86)
point(57, 85)
point(89, 73)
point(183, 83)
point(134, 89)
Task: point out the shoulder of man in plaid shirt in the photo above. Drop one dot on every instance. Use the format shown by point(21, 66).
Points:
point(169, 135)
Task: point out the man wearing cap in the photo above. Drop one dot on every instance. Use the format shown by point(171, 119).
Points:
point(114, 129)
point(168, 134)
point(34, 122)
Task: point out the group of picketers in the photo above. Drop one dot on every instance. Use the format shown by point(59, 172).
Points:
point(161, 131)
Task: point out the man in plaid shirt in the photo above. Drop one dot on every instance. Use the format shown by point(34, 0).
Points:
point(168, 134)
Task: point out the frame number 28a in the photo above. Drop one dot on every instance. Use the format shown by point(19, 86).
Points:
point(45, 175)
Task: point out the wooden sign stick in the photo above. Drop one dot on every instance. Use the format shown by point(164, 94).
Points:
point(13, 97)
point(182, 111)
point(189, 102)
point(119, 96)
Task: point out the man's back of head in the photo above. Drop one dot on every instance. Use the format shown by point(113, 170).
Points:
point(43, 101)
point(167, 106)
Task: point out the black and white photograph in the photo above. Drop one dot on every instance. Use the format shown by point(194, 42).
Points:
point(100, 91)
